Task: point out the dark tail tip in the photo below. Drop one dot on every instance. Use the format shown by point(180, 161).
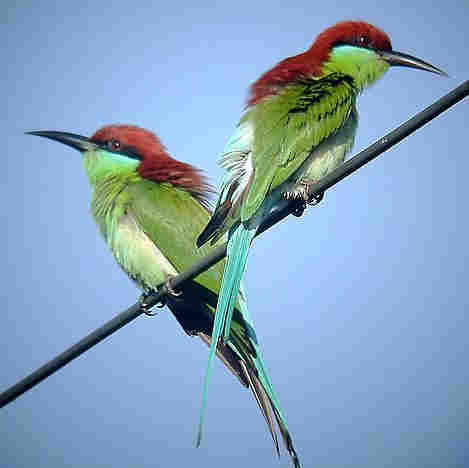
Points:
point(292, 452)
point(209, 231)
point(202, 239)
point(215, 225)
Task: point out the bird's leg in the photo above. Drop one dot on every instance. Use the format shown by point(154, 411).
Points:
point(301, 196)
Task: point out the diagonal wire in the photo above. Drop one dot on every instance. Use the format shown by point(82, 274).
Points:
point(217, 254)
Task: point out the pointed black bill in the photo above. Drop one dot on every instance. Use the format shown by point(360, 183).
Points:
point(399, 59)
point(78, 142)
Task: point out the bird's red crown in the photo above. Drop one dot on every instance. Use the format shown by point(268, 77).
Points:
point(309, 63)
point(156, 164)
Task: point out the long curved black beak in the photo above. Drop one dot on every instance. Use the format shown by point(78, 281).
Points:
point(399, 59)
point(78, 142)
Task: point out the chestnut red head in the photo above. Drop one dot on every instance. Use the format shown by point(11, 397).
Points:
point(309, 64)
point(142, 145)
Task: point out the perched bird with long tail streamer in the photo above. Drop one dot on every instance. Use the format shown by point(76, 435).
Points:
point(299, 124)
point(149, 208)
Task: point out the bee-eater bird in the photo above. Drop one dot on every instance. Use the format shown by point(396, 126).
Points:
point(149, 208)
point(298, 125)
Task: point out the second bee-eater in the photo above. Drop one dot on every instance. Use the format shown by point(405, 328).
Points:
point(149, 208)
point(299, 124)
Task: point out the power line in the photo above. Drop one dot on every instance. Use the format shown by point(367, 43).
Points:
point(217, 254)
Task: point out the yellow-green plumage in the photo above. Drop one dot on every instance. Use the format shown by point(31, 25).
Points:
point(289, 126)
point(151, 230)
point(299, 125)
point(150, 227)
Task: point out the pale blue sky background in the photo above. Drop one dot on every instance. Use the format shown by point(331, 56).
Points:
point(361, 305)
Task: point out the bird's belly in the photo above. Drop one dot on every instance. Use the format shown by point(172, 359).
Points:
point(138, 256)
point(330, 153)
point(323, 159)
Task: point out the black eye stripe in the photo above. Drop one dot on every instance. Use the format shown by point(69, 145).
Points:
point(130, 152)
point(115, 146)
point(358, 41)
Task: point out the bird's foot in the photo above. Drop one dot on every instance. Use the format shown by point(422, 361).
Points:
point(298, 208)
point(302, 195)
point(302, 191)
point(315, 199)
point(145, 307)
point(297, 196)
point(166, 288)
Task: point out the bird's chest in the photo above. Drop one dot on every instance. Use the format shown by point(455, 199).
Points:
point(133, 249)
point(137, 254)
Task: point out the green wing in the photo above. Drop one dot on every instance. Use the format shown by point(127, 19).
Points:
point(288, 126)
point(172, 218)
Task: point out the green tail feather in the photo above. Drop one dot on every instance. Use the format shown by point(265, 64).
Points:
point(238, 248)
point(211, 355)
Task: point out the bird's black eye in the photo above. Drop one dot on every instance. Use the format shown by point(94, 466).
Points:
point(114, 145)
point(363, 41)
